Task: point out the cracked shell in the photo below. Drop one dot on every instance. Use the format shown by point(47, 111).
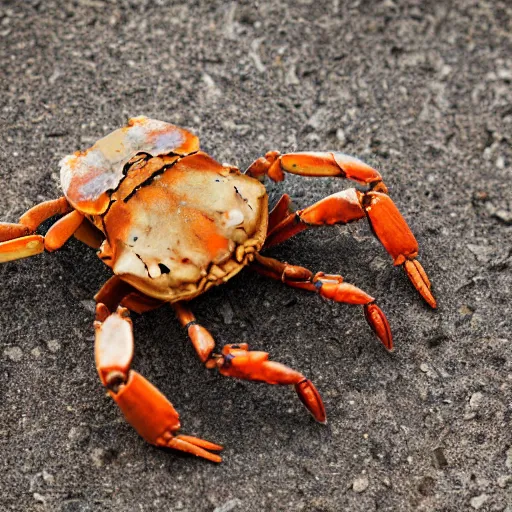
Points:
point(88, 176)
point(176, 222)
point(193, 224)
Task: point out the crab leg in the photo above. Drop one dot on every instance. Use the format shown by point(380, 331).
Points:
point(330, 287)
point(31, 245)
point(340, 208)
point(62, 230)
point(33, 218)
point(316, 164)
point(386, 222)
point(201, 339)
point(22, 247)
point(116, 292)
point(143, 405)
point(240, 362)
point(14, 248)
point(237, 361)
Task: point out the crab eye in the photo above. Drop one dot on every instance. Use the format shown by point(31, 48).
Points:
point(164, 269)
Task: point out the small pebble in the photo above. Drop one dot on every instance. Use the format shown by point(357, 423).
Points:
point(342, 138)
point(228, 506)
point(503, 215)
point(39, 497)
point(360, 484)
point(48, 478)
point(500, 162)
point(476, 400)
point(79, 434)
point(291, 76)
point(504, 480)
point(13, 353)
point(478, 501)
point(508, 460)
point(53, 345)
point(97, 457)
point(504, 74)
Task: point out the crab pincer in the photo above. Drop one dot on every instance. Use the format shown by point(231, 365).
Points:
point(420, 280)
point(332, 287)
point(379, 324)
point(394, 234)
point(240, 362)
point(145, 408)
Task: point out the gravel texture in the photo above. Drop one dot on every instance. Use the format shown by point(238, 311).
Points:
point(421, 90)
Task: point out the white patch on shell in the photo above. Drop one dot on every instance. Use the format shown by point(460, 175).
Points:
point(234, 218)
point(349, 195)
point(343, 158)
point(154, 270)
point(101, 168)
point(129, 263)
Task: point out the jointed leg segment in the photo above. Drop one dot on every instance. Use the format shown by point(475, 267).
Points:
point(144, 407)
point(16, 240)
point(201, 339)
point(316, 164)
point(33, 218)
point(240, 362)
point(331, 287)
point(350, 205)
point(116, 292)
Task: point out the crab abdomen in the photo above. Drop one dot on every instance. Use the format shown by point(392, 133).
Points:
point(190, 226)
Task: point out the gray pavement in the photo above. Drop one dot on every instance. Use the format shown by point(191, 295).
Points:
point(422, 91)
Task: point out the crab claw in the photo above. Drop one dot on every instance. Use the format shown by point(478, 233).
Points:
point(145, 408)
point(239, 362)
point(420, 281)
point(310, 397)
point(155, 419)
point(333, 287)
point(193, 445)
point(379, 324)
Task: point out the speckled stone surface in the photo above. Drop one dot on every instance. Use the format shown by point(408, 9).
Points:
point(420, 90)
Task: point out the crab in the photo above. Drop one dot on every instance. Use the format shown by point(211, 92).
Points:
point(171, 222)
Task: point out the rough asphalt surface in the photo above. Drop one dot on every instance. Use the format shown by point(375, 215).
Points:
point(421, 90)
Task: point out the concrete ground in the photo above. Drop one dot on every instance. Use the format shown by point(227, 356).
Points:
point(421, 90)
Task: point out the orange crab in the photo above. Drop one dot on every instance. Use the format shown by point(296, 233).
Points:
point(171, 222)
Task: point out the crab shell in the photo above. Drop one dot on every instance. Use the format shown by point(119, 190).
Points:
point(176, 222)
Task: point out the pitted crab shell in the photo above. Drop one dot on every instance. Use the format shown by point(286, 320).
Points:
point(196, 221)
point(87, 176)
